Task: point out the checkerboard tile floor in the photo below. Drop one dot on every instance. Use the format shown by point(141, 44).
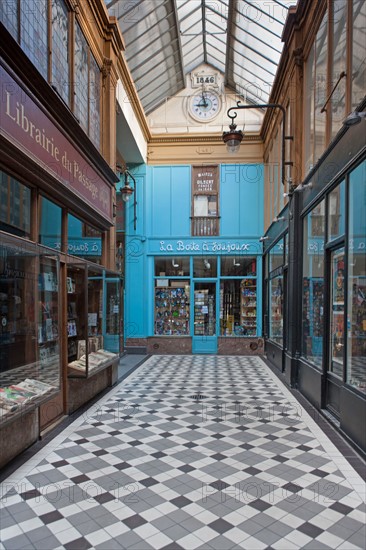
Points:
point(189, 452)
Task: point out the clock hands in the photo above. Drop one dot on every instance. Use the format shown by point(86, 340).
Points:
point(204, 104)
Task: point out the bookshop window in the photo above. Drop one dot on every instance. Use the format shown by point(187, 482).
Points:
point(84, 240)
point(313, 292)
point(87, 316)
point(60, 50)
point(356, 315)
point(336, 212)
point(171, 316)
point(172, 267)
point(50, 219)
point(205, 266)
point(233, 266)
point(29, 350)
point(15, 201)
point(238, 307)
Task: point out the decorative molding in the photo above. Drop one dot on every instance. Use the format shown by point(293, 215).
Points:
point(106, 67)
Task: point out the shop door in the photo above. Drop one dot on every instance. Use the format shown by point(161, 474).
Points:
point(336, 332)
point(204, 317)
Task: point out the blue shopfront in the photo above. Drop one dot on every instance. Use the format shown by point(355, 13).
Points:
point(189, 290)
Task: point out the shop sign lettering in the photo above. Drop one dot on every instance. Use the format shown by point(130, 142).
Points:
point(23, 122)
point(212, 246)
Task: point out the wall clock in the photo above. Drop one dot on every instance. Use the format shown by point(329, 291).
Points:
point(204, 106)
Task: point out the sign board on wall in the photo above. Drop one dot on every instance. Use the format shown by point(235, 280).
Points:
point(25, 125)
point(205, 179)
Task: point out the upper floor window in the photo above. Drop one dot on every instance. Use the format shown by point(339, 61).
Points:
point(43, 30)
point(205, 201)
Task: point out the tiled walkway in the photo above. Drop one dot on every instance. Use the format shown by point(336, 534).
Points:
point(150, 466)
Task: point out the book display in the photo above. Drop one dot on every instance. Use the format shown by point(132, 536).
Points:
point(172, 309)
point(29, 335)
point(248, 307)
point(85, 324)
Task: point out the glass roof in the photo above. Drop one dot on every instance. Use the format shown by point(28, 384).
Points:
point(167, 39)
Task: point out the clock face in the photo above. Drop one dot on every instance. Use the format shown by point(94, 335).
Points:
point(204, 106)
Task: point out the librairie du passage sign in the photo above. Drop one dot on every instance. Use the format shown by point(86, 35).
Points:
point(25, 124)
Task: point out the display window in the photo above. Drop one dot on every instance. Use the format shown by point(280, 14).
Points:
point(337, 309)
point(204, 267)
point(29, 331)
point(238, 266)
point(15, 206)
point(172, 267)
point(313, 285)
point(83, 240)
point(50, 224)
point(336, 212)
point(238, 307)
point(276, 309)
point(88, 310)
point(356, 305)
point(172, 298)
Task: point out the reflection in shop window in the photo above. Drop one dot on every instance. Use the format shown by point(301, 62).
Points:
point(15, 200)
point(276, 309)
point(172, 267)
point(313, 286)
point(356, 313)
point(336, 212)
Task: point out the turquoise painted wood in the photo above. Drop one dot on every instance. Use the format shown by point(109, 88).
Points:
point(242, 200)
point(164, 216)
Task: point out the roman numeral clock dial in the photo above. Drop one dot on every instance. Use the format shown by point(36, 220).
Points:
point(204, 106)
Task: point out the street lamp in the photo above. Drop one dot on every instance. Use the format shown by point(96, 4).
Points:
point(234, 137)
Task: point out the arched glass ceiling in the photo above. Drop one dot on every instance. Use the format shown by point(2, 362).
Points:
point(167, 39)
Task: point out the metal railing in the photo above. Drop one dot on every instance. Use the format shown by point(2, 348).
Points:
point(205, 226)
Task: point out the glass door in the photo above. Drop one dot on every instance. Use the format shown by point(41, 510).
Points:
point(336, 329)
point(204, 317)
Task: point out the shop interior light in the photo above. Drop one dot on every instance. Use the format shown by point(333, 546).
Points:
point(236, 264)
point(207, 264)
point(174, 264)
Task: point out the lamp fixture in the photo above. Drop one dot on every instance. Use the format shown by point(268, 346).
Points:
point(127, 191)
point(304, 186)
point(234, 137)
point(354, 118)
point(235, 263)
point(261, 239)
point(206, 263)
point(174, 264)
point(278, 219)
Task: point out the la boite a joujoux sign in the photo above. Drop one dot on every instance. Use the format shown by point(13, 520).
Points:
point(25, 125)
